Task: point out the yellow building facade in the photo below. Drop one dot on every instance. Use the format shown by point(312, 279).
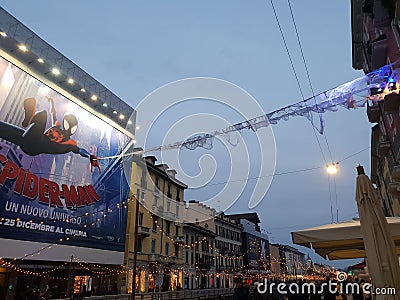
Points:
point(159, 238)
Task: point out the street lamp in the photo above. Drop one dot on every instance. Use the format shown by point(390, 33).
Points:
point(332, 168)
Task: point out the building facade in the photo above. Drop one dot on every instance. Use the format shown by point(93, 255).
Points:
point(228, 248)
point(293, 261)
point(275, 258)
point(160, 237)
point(375, 43)
point(255, 245)
point(199, 257)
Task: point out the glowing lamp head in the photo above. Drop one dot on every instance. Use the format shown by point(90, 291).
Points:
point(332, 168)
point(23, 48)
point(55, 71)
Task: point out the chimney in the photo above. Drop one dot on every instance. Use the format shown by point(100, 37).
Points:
point(171, 173)
point(151, 159)
point(162, 167)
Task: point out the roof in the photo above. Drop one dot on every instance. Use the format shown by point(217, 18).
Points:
point(199, 228)
point(252, 217)
point(162, 169)
point(116, 112)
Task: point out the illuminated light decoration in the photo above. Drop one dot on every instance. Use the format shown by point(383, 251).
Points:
point(130, 122)
point(121, 117)
point(137, 127)
point(105, 104)
point(23, 48)
point(55, 71)
point(70, 81)
point(392, 86)
point(115, 112)
point(375, 91)
point(40, 60)
point(83, 90)
point(3, 34)
point(93, 97)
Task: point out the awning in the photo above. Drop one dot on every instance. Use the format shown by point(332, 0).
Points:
point(341, 240)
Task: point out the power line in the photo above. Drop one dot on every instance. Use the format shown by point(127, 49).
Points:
point(297, 79)
point(306, 68)
point(287, 50)
point(282, 173)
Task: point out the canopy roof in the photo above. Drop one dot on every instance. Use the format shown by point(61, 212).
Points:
point(341, 240)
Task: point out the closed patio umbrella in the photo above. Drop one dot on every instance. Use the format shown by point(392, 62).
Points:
point(382, 260)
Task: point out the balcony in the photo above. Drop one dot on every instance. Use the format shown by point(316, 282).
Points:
point(394, 189)
point(179, 239)
point(157, 210)
point(169, 215)
point(383, 147)
point(143, 231)
point(396, 173)
point(391, 103)
point(161, 258)
point(373, 113)
point(379, 48)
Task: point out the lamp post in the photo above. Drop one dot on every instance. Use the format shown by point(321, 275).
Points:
point(135, 239)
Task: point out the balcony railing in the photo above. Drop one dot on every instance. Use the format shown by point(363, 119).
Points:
point(143, 231)
point(391, 103)
point(179, 239)
point(394, 189)
point(396, 173)
point(384, 147)
point(162, 258)
point(373, 113)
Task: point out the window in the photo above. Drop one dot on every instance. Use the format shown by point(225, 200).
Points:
point(139, 245)
point(154, 225)
point(153, 246)
point(178, 198)
point(143, 181)
point(155, 200)
point(167, 248)
point(169, 191)
point(177, 210)
point(176, 251)
point(140, 220)
point(168, 229)
point(168, 205)
point(187, 257)
point(157, 183)
point(176, 230)
point(142, 196)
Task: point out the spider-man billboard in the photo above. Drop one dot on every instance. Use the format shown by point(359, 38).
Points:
point(53, 181)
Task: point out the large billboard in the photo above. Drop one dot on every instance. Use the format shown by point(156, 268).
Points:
point(52, 186)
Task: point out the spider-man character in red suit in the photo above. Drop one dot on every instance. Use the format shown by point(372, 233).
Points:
point(35, 139)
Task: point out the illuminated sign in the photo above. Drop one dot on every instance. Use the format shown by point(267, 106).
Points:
point(53, 182)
